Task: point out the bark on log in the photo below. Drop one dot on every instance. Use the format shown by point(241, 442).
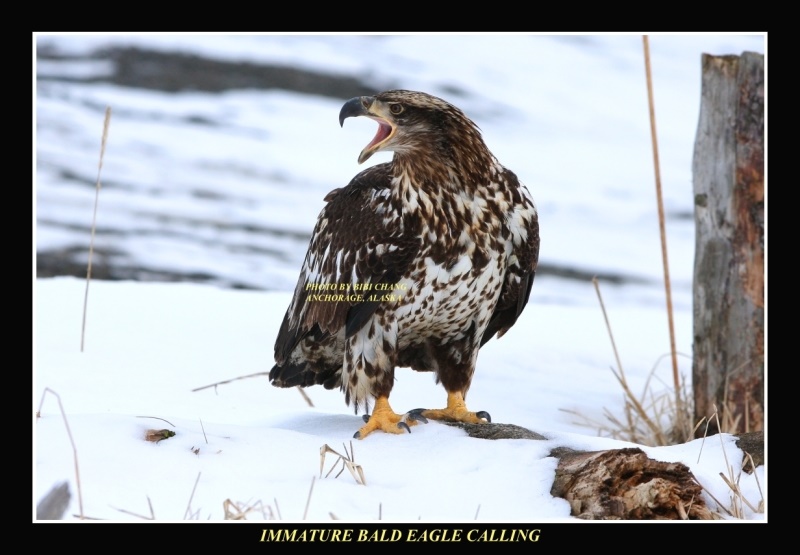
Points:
point(752, 444)
point(728, 175)
point(624, 484)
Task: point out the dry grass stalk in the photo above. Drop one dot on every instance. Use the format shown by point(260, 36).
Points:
point(737, 495)
point(681, 511)
point(204, 430)
point(214, 385)
point(691, 504)
point(662, 224)
point(652, 419)
point(305, 396)
point(188, 514)
point(106, 121)
point(149, 504)
point(730, 415)
point(72, 442)
point(633, 405)
point(308, 501)
point(735, 508)
point(157, 418)
point(728, 420)
point(662, 415)
point(347, 460)
point(737, 500)
point(720, 505)
point(239, 511)
point(758, 483)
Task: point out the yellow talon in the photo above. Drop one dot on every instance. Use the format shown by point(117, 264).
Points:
point(456, 411)
point(385, 419)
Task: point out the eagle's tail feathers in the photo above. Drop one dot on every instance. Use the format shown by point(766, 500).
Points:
point(291, 375)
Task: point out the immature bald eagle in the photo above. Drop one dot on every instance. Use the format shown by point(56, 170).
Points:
point(416, 263)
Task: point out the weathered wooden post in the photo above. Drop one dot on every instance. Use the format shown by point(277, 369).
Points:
point(729, 270)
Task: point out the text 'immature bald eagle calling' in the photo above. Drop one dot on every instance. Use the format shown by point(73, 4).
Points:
point(416, 263)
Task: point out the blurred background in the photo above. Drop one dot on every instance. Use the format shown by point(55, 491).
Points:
point(221, 149)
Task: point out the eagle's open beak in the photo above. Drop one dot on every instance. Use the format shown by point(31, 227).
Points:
point(363, 106)
point(355, 107)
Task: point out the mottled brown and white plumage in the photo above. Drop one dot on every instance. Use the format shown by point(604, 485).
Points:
point(442, 245)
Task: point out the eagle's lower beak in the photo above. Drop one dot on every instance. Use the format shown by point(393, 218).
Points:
point(365, 106)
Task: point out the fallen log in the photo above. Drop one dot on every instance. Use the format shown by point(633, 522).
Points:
point(621, 484)
point(625, 484)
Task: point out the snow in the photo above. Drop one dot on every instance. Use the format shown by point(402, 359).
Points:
point(149, 346)
point(567, 113)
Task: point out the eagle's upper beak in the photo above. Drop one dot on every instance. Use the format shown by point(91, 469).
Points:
point(368, 106)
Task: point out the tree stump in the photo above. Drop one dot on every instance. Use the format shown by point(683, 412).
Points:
point(728, 176)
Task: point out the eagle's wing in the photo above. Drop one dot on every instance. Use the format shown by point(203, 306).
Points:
point(358, 240)
point(522, 264)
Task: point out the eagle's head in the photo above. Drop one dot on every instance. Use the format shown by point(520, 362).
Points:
point(414, 122)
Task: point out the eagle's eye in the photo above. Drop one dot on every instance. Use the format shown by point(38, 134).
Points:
point(396, 109)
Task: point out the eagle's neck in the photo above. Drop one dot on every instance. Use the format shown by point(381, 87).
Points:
point(453, 165)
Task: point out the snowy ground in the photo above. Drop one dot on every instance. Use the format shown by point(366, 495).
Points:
point(223, 188)
point(148, 346)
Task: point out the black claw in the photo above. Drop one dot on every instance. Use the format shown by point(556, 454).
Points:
point(484, 414)
point(357, 435)
point(416, 415)
point(404, 425)
point(365, 418)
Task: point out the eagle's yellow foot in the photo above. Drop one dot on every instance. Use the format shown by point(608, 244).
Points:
point(456, 411)
point(385, 419)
